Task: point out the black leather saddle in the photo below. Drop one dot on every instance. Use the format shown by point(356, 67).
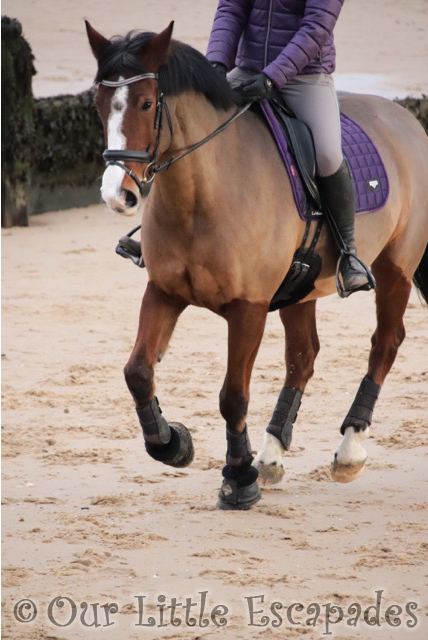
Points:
point(306, 264)
point(301, 145)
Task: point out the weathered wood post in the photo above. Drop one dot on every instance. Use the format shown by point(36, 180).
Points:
point(16, 121)
point(51, 147)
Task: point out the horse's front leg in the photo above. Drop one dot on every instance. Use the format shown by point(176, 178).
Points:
point(170, 443)
point(301, 349)
point(246, 322)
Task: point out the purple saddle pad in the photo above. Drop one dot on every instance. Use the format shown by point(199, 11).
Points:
point(367, 169)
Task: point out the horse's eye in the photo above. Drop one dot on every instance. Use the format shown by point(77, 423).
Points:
point(146, 106)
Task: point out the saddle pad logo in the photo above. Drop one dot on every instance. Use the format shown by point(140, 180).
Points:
point(373, 185)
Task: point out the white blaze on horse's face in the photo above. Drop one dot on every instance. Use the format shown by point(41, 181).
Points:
point(112, 191)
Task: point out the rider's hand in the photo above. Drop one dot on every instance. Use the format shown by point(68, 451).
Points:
point(220, 68)
point(256, 88)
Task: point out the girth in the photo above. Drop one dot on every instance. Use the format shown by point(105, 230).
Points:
point(300, 279)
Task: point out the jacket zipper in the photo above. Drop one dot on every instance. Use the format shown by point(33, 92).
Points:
point(268, 32)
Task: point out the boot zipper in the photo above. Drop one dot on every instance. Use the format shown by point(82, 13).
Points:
point(268, 33)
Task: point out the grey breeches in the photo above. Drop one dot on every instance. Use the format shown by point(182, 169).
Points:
point(313, 100)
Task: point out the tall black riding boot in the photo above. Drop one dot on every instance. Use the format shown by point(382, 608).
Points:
point(337, 194)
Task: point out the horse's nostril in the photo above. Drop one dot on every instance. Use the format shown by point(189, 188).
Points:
point(130, 199)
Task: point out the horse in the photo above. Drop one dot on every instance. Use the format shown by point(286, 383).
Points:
point(219, 230)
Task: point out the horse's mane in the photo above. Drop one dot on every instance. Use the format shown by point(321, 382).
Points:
point(186, 69)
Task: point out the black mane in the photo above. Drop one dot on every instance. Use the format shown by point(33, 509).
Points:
point(185, 69)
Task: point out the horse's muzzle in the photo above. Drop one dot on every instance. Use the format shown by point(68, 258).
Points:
point(119, 157)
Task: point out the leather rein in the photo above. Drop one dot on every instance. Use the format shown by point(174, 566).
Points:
point(119, 157)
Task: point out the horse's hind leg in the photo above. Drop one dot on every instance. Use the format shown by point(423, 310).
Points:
point(392, 294)
point(301, 349)
point(246, 322)
point(170, 443)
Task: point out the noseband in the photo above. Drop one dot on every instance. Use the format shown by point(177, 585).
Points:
point(119, 157)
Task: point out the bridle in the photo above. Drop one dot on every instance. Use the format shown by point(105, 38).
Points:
point(119, 157)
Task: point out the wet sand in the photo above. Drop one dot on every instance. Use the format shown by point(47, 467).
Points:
point(88, 515)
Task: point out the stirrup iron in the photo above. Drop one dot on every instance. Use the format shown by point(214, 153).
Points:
point(344, 293)
point(128, 248)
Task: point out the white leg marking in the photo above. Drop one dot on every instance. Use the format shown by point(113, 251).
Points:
point(269, 460)
point(113, 175)
point(271, 451)
point(351, 450)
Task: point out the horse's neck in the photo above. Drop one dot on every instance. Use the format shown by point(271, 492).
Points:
point(191, 181)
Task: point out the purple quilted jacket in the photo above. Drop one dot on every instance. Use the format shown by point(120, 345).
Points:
point(282, 38)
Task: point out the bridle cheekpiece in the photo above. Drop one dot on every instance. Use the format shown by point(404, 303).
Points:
point(119, 157)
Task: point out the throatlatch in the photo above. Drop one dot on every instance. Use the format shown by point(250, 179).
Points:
point(361, 412)
point(284, 415)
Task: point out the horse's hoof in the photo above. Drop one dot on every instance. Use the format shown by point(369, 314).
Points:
point(346, 472)
point(179, 451)
point(268, 461)
point(234, 498)
point(271, 473)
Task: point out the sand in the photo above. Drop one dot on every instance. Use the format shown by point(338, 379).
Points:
point(382, 46)
point(89, 516)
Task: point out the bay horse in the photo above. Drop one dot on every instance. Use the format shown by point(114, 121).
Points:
point(219, 231)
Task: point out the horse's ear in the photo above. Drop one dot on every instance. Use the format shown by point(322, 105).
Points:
point(96, 40)
point(155, 52)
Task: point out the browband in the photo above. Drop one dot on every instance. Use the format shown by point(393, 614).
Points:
point(125, 81)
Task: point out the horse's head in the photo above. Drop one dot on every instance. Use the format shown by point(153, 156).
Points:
point(130, 107)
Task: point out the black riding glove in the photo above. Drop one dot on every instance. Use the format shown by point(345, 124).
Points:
point(256, 88)
point(220, 68)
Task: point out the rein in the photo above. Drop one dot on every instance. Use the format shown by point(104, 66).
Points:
point(193, 147)
point(119, 157)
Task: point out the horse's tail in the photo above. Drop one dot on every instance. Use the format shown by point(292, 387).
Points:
point(420, 279)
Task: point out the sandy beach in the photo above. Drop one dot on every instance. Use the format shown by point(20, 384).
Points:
point(88, 516)
point(382, 46)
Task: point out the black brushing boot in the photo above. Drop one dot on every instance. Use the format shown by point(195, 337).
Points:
point(338, 198)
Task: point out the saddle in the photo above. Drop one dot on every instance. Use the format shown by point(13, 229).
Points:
point(296, 148)
point(306, 265)
point(301, 145)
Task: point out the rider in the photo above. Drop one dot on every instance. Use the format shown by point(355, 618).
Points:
point(288, 45)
